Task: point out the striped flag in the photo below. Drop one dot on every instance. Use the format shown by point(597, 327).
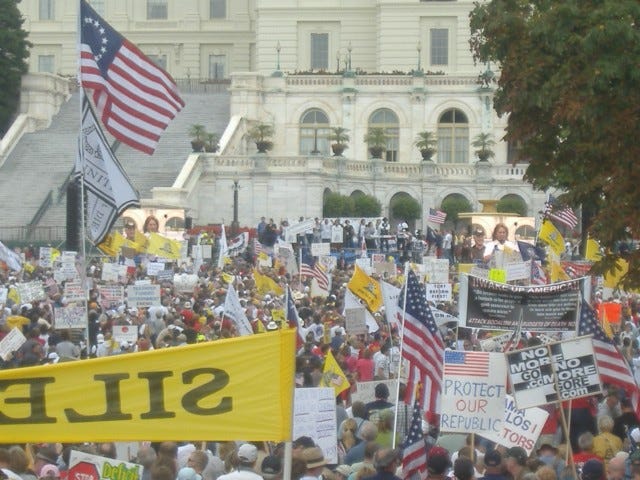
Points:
point(136, 99)
point(422, 346)
point(612, 366)
point(414, 454)
point(293, 319)
point(436, 216)
point(464, 363)
point(562, 214)
point(318, 272)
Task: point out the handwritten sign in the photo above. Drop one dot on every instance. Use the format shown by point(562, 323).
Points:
point(314, 415)
point(355, 321)
point(71, 316)
point(318, 249)
point(11, 342)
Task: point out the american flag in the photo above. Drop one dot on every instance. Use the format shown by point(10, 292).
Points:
point(317, 272)
point(422, 346)
point(564, 215)
point(293, 319)
point(414, 456)
point(436, 216)
point(136, 99)
point(612, 366)
point(258, 248)
point(458, 362)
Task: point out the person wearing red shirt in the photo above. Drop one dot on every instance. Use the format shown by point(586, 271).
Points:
point(364, 367)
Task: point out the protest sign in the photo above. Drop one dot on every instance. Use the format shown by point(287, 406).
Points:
point(125, 332)
point(553, 372)
point(291, 232)
point(385, 269)
point(518, 271)
point(355, 321)
point(520, 427)
point(442, 317)
point(85, 466)
point(473, 391)
point(164, 276)
point(113, 272)
point(337, 235)
point(45, 258)
point(378, 258)
point(74, 292)
point(11, 342)
point(436, 270)
point(364, 264)
point(314, 415)
point(3, 295)
point(365, 391)
point(154, 267)
point(70, 316)
point(491, 305)
point(185, 282)
point(111, 296)
point(318, 249)
point(140, 296)
point(438, 292)
point(329, 262)
point(30, 291)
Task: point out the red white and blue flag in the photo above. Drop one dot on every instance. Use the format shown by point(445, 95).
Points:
point(436, 216)
point(414, 452)
point(134, 97)
point(562, 214)
point(475, 364)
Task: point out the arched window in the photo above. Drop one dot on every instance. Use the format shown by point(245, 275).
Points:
point(385, 118)
point(314, 130)
point(453, 137)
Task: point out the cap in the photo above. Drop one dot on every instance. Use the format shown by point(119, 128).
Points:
point(188, 473)
point(100, 338)
point(519, 454)
point(271, 467)
point(247, 453)
point(50, 471)
point(272, 325)
point(478, 232)
point(493, 458)
point(187, 305)
point(314, 457)
point(129, 224)
point(438, 460)
point(593, 470)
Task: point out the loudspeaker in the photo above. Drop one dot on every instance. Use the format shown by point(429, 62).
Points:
point(188, 223)
point(74, 204)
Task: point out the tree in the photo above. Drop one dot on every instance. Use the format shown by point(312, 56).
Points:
point(512, 204)
point(570, 84)
point(336, 205)
point(14, 51)
point(367, 206)
point(406, 208)
point(454, 204)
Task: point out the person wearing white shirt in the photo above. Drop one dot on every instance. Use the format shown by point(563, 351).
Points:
point(499, 241)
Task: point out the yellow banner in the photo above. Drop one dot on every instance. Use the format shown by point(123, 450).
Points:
point(550, 235)
point(163, 247)
point(266, 284)
point(239, 388)
point(366, 288)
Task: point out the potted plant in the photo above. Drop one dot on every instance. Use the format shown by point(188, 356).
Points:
point(211, 142)
point(484, 144)
point(197, 133)
point(339, 137)
point(261, 134)
point(376, 139)
point(426, 142)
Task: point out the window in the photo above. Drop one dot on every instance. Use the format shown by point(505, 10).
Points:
point(46, 11)
point(314, 130)
point(157, 10)
point(217, 66)
point(159, 60)
point(439, 46)
point(98, 6)
point(217, 8)
point(46, 63)
point(319, 51)
point(385, 118)
point(453, 137)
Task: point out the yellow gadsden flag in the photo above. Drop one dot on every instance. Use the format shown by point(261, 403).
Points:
point(163, 247)
point(551, 236)
point(366, 288)
point(266, 284)
point(333, 376)
point(196, 392)
point(112, 244)
point(592, 252)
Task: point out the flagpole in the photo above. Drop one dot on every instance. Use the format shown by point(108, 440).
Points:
point(404, 309)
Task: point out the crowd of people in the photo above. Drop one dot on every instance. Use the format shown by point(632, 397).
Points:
point(601, 430)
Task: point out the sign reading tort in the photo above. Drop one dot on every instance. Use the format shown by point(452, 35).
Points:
point(550, 373)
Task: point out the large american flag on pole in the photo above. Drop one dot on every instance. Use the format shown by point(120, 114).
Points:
point(422, 347)
point(317, 272)
point(414, 454)
point(135, 98)
point(612, 366)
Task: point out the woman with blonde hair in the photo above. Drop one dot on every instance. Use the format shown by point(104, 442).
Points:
point(346, 437)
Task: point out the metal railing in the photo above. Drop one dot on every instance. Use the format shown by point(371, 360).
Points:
point(25, 234)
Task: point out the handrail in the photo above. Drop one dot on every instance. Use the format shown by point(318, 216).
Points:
point(44, 206)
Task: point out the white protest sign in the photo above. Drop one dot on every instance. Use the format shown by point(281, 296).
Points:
point(125, 332)
point(478, 271)
point(436, 270)
point(3, 295)
point(520, 428)
point(442, 317)
point(438, 292)
point(557, 371)
point(318, 249)
point(365, 391)
point(518, 271)
point(70, 317)
point(74, 292)
point(11, 342)
point(337, 234)
point(111, 296)
point(291, 232)
point(141, 296)
point(185, 282)
point(314, 415)
point(355, 321)
point(154, 267)
point(85, 466)
point(31, 291)
point(113, 272)
point(473, 392)
point(378, 258)
point(45, 257)
point(364, 264)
